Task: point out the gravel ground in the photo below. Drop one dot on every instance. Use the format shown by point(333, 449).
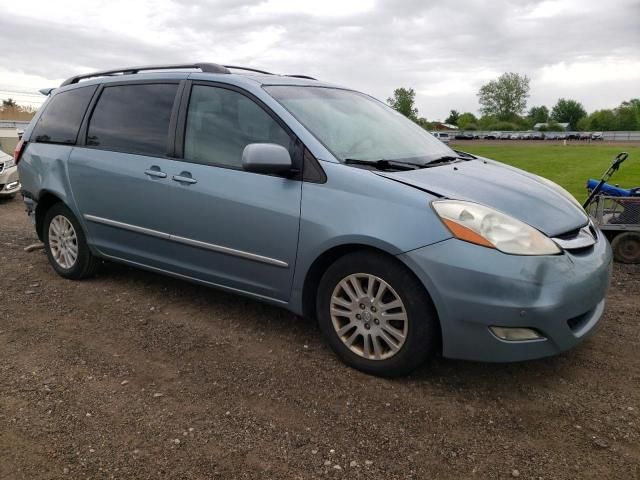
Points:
point(134, 375)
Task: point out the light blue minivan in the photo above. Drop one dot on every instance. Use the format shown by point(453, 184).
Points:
point(316, 198)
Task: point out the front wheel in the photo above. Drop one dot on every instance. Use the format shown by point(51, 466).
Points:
point(376, 315)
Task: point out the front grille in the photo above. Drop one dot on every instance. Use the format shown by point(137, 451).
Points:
point(580, 239)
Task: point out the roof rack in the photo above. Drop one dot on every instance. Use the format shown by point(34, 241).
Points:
point(306, 77)
point(205, 67)
point(255, 70)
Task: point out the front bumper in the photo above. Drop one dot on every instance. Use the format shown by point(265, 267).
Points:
point(9, 183)
point(473, 288)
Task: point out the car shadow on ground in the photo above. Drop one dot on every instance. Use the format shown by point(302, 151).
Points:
point(252, 314)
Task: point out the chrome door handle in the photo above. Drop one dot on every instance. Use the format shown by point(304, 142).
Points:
point(183, 179)
point(155, 173)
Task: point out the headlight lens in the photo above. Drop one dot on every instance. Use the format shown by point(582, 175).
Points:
point(9, 163)
point(484, 226)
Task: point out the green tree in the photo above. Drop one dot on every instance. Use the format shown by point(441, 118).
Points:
point(602, 120)
point(568, 111)
point(628, 115)
point(424, 123)
point(506, 97)
point(538, 115)
point(466, 119)
point(403, 101)
point(453, 117)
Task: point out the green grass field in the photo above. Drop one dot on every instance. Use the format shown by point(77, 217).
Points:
point(569, 166)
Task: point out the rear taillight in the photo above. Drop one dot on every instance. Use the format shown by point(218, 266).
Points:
point(17, 153)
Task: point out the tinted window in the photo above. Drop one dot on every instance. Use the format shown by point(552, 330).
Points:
point(133, 118)
point(61, 119)
point(221, 122)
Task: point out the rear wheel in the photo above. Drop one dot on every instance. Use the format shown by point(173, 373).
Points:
point(66, 245)
point(626, 247)
point(376, 315)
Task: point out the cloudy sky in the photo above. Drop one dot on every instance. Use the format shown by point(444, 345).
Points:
point(583, 49)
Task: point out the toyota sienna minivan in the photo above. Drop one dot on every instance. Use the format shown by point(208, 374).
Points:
point(317, 198)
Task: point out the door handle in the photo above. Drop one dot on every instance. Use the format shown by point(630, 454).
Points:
point(184, 177)
point(155, 172)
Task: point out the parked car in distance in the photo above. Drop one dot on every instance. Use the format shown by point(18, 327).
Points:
point(526, 136)
point(551, 136)
point(9, 183)
point(515, 136)
point(505, 136)
point(463, 136)
point(492, 136)
point(317, 199)
point(572, 136)
point(597, 136)
point(537, 136)
point(442, 136)
point(585, 136)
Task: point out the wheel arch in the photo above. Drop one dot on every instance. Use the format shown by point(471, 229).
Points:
point(45, 201)
point(328, 257)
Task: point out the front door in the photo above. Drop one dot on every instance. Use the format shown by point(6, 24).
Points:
point(233, 228)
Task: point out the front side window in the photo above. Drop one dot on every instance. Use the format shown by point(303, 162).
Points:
point(133, 118)
point(221, 122)
point(62, 116)
point(355, 126)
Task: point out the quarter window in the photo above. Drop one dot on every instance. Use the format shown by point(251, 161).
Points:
point(133, 118)
point(221, 122)
point(61, 118)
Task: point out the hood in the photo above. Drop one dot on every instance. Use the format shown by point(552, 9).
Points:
point(507, 189)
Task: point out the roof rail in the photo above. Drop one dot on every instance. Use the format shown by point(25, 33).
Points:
point(306, 77)
point(205, 67)
point(234, 67)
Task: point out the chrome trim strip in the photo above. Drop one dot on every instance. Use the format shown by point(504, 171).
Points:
point(193, 279)
point(188, 241)
point(126, 226)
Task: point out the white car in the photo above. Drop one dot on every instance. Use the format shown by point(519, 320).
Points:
point(9, 184)
point(442, 136)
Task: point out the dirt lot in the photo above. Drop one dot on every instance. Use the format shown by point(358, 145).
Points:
point(133, 375)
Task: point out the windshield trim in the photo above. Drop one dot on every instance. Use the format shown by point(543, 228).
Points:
point(265, 87)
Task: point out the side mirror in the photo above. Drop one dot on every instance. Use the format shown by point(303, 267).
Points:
point(266, 158)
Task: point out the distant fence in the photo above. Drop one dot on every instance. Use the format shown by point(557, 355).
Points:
point(17, 124)
point(611, 136)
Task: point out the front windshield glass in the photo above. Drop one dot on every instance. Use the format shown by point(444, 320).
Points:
point(355, 126)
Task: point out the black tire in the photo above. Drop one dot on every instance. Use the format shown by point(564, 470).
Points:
point(422, 335)
point(626, 247)
point(85, 264)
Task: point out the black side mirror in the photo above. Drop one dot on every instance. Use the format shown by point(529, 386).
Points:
point(266, 158)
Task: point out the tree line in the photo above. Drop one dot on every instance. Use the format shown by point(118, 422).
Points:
point(503, 107)
point(11, 110)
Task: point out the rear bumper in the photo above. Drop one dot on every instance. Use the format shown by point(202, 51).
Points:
point(9, 183)
point(562, 297)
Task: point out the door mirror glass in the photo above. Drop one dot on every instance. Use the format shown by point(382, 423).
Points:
point(266, 158)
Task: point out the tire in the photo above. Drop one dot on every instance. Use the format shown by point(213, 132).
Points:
point(83, 264)
point(377, 320)
point(626, 247)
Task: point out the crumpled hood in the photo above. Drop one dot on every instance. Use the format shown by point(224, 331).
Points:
point(507, 189)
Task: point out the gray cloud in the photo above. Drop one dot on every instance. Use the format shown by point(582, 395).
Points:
point(444, 50)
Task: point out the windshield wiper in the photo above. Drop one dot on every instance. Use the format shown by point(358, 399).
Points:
point(383, 164)
point(445, 159)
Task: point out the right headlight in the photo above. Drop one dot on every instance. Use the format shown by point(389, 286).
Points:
point(485, 226)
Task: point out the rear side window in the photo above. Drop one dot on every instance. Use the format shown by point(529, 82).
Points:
point(133, 118)
point(61, 119)
point(221, 122)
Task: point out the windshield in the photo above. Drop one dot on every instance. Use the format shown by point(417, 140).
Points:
point(355, 126)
